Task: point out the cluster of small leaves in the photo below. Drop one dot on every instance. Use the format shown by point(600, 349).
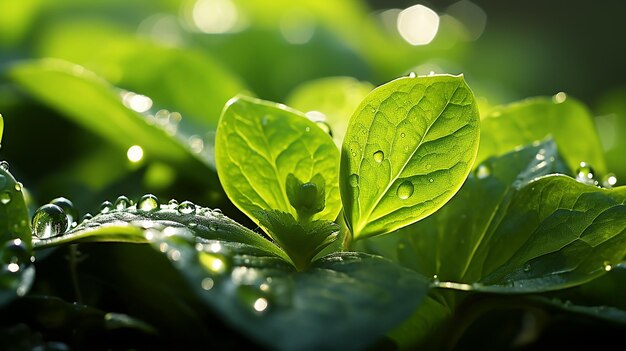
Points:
point(516, 222)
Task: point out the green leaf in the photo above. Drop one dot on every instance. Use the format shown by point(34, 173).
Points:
point(1, 128)
point(408, 149)
point(96, 105)
point(16, 271)
point(301, 241)
point(509, 231)
point(568, 122)
point(335, 98)
point(187, 80)
point(343, 301)
point(260, 144)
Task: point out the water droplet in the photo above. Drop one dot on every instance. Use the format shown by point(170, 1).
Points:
point(148, 203)
point(412, 75)
point(585, 174)
point(49, 221)
point(482, 172)
point(402, 135)
point(307, 129)
point(325, 127)
point(430, 180)
point(4, 165)
point(379, 156)
point(5, 197)
point(207, 283)
point(186, 207)
point(609, 180)
point(173, 203)
point(106, 206)
point(122, 203)
point(260, 304)
point(436, 279)
point(405, 190)
point(354, 180)
point(527, 267)
point(213, 262)
point(196, 144)
point(18, 186)
point(87, 217)
point(559, 97)
point(68, 207)
point(217, 210)
point(173, 255)
point(14, 255)
point(607, 265)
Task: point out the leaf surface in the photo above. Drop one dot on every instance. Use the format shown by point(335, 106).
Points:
point(408, 149)
point(343, 301)
point(259, 144)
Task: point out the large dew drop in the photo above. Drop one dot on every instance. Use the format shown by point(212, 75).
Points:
point(106, 207)
point(122, 203)
point(379, 156)
point(49, 221)
point(70, 211)
point(405, 190)
point(148, 203)
point(186, 207)
point(5, 197)
point(354, 180)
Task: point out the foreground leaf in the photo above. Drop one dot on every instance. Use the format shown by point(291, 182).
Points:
point(259, 144)
point(568, 122)
point(343, 301)
point(408, 149)
point(16, 271)
point(526, 234)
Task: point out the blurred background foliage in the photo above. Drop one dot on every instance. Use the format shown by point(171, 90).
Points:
point(186, 58)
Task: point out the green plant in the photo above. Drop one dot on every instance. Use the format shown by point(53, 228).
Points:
point(394, 235)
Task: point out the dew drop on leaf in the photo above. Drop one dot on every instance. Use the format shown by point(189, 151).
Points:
point(609, 180)
point(412, 75)
point(325, 127)
point(122, 203)
point(402, 135)
point(5, 197)
point(49, 221)
point(207, 283)
point(405, 190)
point(354, 180)
point(87, 217)
point(4, 165)
point(585, 174)
point(482, 172)
point(68, 207)
point(430, 180)
point(607, 266)
point(186, 207)
point(173, 203)
point(527, 267)
point(379, 156)
point(14, 255)
point(148, 203)
point(106, 206)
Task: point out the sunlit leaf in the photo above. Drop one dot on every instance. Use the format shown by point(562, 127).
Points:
point(567, 121)
point(408, 148)
point(16, 271)
point(348, 298)
point(259, 144)
point(526, 234)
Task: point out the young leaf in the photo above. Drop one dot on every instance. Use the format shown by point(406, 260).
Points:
point(408, 149)
point(335, 98)
point(526, 234)
point(568, 122)
point(343, 301)
point(16, 271)
point(264, 151)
